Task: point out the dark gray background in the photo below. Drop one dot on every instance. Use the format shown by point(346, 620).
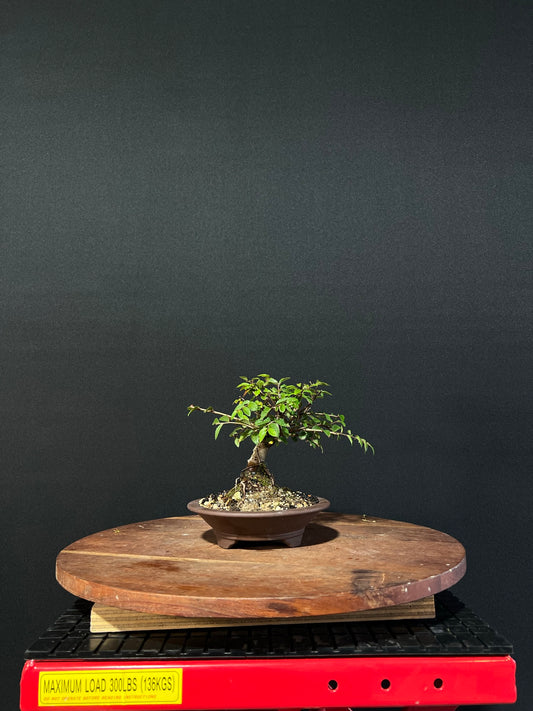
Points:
point(194, 191)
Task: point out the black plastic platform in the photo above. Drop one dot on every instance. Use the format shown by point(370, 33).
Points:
point(455, 631)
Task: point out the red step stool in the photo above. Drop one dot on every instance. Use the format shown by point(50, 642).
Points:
point(453, 660)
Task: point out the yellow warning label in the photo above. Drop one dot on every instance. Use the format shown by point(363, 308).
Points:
point(108, 687)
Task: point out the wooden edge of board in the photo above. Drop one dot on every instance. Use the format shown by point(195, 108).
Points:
point(113, 619)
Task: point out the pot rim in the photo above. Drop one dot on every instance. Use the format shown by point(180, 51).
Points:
point(197, 508)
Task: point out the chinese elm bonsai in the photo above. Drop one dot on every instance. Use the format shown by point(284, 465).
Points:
point(271, 412)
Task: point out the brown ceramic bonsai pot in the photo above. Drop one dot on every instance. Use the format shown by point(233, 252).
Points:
point(286, 526)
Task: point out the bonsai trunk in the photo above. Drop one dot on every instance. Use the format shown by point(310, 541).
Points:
point(258, 455)
point(255, 490)
point(256, 475)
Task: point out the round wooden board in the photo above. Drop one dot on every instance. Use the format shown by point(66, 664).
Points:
point(172, 566)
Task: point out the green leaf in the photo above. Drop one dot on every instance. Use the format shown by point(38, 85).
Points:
point(217, 431)
point(273, 429)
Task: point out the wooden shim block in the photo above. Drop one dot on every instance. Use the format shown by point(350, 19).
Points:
point(115, 619)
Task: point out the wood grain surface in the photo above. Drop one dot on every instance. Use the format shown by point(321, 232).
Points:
point(172, 566)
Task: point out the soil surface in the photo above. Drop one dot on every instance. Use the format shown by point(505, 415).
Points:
point(265, 498)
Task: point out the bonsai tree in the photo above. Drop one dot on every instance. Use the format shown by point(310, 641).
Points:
point(270, 412)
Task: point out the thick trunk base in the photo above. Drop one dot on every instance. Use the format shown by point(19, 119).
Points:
point(255, 490)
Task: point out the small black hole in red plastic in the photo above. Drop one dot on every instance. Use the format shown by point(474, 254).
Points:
point(438, 683)
point(332, 684)
point(385, 684)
